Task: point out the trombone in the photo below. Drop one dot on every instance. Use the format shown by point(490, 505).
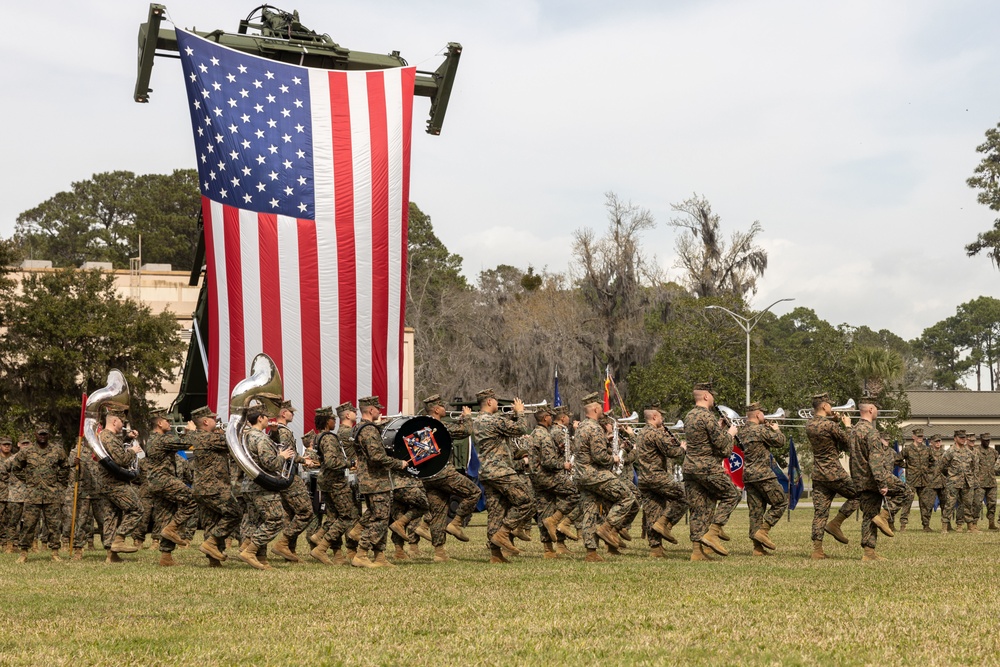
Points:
point(529, 409)
point(734, 418)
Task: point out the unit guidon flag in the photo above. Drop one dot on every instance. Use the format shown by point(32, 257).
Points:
point(305, 189)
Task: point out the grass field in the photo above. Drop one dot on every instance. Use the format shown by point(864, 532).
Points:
point(934, 602)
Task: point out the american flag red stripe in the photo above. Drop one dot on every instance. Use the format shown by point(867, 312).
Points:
point(322, 294)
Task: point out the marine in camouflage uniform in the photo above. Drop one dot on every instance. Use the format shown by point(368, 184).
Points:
point(340, 511)
point(663, 499)
point(936, 487)
point(448, 484)
point(44, 470)
point(607, 503)
point(987, 467)
point(766, 499)
point(264, 505)
point(88, 502)
point(625, 471)
point(123, 510)
point(212, 484)
point(554, 479)
point(375, 484)
point(827, 439)
point(543, 479)
point(959, 466)
point(509, 503)
point(7, 507)
point(711, 494)
point(175, 504)
point(872, 461)
point(295, 500)
point(915, 454)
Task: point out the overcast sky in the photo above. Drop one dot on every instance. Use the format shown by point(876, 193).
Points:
point(847, 129)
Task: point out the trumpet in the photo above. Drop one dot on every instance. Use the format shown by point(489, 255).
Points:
point(807, 413)
point(529, 409)
point(777, 415)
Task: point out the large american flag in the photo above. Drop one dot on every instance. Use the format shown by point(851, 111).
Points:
point(305, 189)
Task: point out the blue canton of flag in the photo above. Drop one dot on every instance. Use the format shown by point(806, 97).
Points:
point(779, 474)
point(795, 485)
point(254, 130)
point(897, 470)
point(557, 401)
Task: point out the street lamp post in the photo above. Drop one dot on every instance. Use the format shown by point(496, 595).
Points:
point(747, 324)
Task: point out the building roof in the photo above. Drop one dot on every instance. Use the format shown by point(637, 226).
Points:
point(952, 404)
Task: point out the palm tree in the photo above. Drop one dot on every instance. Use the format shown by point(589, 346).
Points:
point(874, 367)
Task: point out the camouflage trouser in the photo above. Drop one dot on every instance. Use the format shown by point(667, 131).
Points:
point(509, 503)
point(267, 515)
point(767, 502)
point(658, 495)
point(871, 504)
point(966, 504)
point(84, 529)
point(221, 515)
point(440, 490)
point(340, 512)
point(927, 497)
point(52, 515)
point(822, 495)
point(375, 522)
point(906, 505)
point(3, 522)
point(410, 502)
point(146, 519)
point(13, 527)
point(122, 512)
point(298, 507)
point(567, 496)
point(703, 492)
point(988, 495)
point(172, 501)
point(613, 501)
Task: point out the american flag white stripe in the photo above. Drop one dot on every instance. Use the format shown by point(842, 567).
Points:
point(303, 176)
point(357, 88)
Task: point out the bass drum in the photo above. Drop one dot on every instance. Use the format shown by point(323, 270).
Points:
point(424, 440)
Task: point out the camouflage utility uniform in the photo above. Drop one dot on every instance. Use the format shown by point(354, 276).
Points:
point(375, 484)
point(915, 457)
point(509, 501)
point(872, 462)
point(172, 498)
point(123, 511)
point(44, 470)
point(711, 495)
point(766, 499)
point(828, 438)
point(958, 465)
point(661, 494)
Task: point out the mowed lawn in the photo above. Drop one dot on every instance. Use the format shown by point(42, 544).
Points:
point(934, 602)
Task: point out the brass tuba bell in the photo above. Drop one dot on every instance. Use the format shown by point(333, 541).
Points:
point(116, 391)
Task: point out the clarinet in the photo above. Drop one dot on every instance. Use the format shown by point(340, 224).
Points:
point(616, 450)
point(567, 451)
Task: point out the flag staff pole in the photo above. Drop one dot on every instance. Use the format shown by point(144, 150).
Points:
point(76, 484)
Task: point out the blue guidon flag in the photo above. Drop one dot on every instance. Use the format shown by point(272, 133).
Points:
point(305, 194)
point(734, 466)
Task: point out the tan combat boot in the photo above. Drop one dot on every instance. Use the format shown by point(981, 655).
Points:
point(551, 524)
point(548, 551)
point(380, 560)
point(712, 540)
point(722, 533)
point(167, 559)
point(414, 549)
point(496, 556)
point(8, 548)
point(945, 526)
point(319, 551)
point(974, 527)
point(440, 555)
point(400, 554)
point(762, 536)
point(423, 530)
point(212, 562)
point(501, 538)
point(349, 556)
point(248, 554)
point(902, 525)
point(993, 524)
point(881, 521)
point(593, 557)
point(817, 553)
point(361, 560)
point(354, 534)
point(454, 528)
point(113, 557)
point(77, 554)
point(614, 551)
point(209, 547)
point(338, 558)
point(55, 555)
point(870, 556)
point(561, 548)
point(118, 546)
point(281, 548)
point(657, 552)
point(624, 534)
point(521, 534)
point(833, 527)
point(758, 549)
point(567, 528)
point(399, 526)
point(928, 529)
point(608, 534)
point(172, 533)
point(698, 552)
point(317, 536)
point(262, 557)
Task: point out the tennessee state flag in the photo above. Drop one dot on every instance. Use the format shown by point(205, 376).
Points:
point(734, 466)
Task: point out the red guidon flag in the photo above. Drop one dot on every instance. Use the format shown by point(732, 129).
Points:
point(734, 466)
point(305, 189)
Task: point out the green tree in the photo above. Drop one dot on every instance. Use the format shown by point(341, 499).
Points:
point(875, 368)
point(986, 179)
point(710, 265)
point(945, 342)
point(981, 322)
point(101, 218)
point(63, 332)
